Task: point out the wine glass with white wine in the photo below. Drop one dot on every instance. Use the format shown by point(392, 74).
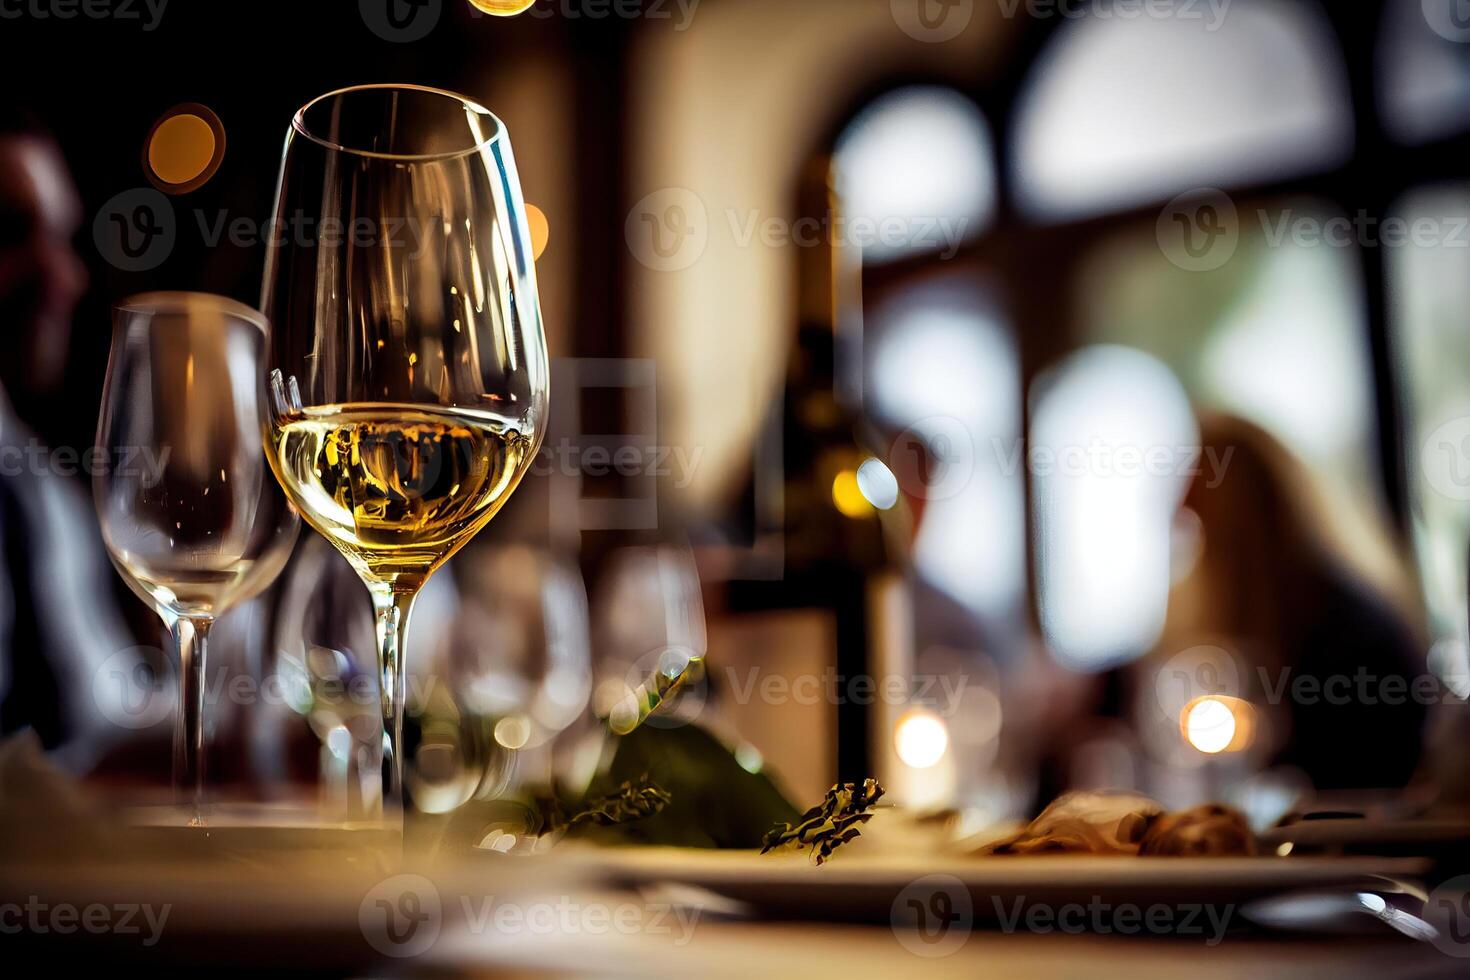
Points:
point(408, 372)
point(189, 512)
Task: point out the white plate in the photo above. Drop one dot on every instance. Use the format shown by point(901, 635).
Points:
point(865, 888)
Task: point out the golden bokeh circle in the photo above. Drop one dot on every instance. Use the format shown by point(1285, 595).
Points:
point(540, 229)
point(184, 149)
point(503, 8)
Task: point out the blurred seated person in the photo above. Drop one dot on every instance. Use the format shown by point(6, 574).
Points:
point(58, 621)
point(1315, 606)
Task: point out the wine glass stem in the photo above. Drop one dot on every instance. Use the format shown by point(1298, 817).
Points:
point(392, 609)
point(192, 639)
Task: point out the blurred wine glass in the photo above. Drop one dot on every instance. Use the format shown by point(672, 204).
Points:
point(190, 515)
point(517, 660)
point(650, 629)
point(327, 665)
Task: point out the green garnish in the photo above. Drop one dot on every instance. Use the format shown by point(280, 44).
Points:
point(838, 819)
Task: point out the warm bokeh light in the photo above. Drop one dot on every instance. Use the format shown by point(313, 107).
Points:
point(503, 8)
point(1214, 724)
point(618, 703)
point(921, 739)
point(540, 229)
point(847, 495)
point(513, 732)
point(185, 148)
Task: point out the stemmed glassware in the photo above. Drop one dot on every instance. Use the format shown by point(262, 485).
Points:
point(518, 659)
point(649, 618)
point(407, 363)
point(189, 513)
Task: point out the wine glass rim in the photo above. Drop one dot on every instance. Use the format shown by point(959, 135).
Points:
point(174, 301)
point(298, 123)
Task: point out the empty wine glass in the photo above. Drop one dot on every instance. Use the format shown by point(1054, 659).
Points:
point(326, 660)
point(649, 621)
point(517, 658)
point(189, 512)
point(408, 367)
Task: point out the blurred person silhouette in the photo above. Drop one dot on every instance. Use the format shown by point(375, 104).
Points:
point(59, 627)
point(1297, 586)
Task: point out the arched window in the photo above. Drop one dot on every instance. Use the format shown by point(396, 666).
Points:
point(920, 161)
point(1424, 69)
point(1124, 111)
point(1103, 510)
point(1432, 355)
point(1231, 297)
point(944, 366)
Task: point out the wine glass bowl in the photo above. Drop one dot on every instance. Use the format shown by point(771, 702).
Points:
point(189, 513)
point(408, 377)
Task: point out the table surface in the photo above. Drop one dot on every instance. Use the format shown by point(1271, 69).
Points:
point(806, 950)
point(321, 915)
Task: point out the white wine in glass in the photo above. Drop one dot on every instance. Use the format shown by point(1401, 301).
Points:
point(408, 372)
point(399, 487)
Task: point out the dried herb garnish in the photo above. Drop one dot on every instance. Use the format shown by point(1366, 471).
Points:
point(838, 819)
point(633, 800)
